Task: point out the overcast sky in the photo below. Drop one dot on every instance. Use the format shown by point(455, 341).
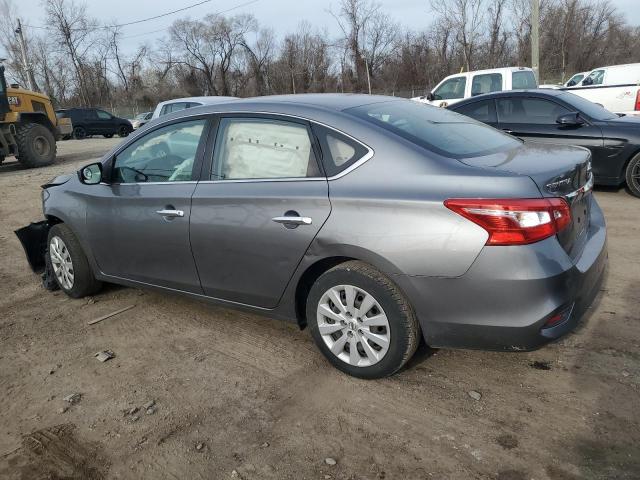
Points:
point(282, 15)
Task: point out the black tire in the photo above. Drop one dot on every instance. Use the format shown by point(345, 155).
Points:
point(2, 157)
point(108, 135)
point(632, 176)
point(36, 145)
point(404, 334)
point(123, 131)
point(84, 282)
point(79, 133)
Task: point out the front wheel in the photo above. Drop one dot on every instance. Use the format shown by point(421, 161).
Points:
point(123, 131)
point(361, 321)
point(69, 263)
point(633, 175)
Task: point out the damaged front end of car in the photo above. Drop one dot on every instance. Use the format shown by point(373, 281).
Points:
point(33, 238)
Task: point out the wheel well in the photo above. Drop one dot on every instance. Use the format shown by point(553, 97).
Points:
point(40, 118)
point(308, 278)
point(53, 220)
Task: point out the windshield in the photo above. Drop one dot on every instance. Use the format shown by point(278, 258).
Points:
point(592, 110)
point(441, 131)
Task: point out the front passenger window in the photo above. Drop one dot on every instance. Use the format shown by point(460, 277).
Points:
point(163, 155)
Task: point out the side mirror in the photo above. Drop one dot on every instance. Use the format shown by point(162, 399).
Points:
point(572, 119)
point(91, 174)
point(431, 97)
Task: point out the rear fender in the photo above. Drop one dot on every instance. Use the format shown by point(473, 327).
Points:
point(33, 238)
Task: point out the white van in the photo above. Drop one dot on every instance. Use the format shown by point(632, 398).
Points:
point(614, 75)
point(616, 88)
point(469, 84)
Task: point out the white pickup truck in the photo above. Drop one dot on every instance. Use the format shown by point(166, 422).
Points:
point(469, 84)
point(616, 88)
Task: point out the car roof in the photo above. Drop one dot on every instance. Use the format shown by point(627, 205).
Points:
point(331, 101)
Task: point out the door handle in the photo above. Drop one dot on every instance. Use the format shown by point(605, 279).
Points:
point(506, 130)
point(170, 213)
point(293, 220)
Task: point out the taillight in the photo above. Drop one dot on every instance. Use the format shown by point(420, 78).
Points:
point(637, 101)
point(514, 221)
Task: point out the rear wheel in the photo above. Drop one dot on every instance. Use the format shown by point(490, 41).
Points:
point(361, 321)
point(69, 263)
point(79, 133)
point(36, 145)
point(633, 175)
point(123, 131)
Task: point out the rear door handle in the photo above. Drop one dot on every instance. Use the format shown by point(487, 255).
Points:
point(293, 220)
point(170, 213)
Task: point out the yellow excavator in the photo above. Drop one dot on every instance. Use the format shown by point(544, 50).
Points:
point(29, 127)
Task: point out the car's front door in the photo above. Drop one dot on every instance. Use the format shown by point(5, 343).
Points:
point(534, 120)
point(138, 223)
point(106, 123)
point(262, 203)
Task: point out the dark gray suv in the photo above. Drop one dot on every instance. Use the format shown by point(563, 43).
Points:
point(371, 220)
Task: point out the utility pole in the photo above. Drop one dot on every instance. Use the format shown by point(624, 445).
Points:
point(535, 38)
point(25, 61)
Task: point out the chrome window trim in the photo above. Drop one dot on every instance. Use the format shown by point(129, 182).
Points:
point(366, 157)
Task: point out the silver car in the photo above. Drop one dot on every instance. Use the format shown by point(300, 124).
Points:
point(373, 221)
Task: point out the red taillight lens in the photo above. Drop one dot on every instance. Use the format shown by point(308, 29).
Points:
point(514, 221)
point(637, 101)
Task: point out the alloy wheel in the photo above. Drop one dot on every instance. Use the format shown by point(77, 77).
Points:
point(61, 262)
point(353, 325)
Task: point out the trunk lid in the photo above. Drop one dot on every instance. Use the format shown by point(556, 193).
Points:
point(558, 171)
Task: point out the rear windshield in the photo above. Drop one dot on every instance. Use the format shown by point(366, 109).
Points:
point(524, 80)
point(436, 129)
point(593, 110)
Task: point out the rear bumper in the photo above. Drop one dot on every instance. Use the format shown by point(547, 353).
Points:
point(507, 296)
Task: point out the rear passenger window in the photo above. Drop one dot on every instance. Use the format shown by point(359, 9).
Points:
point(486, 83)
point(257, 148)
point(482, 111)
point(339, 152)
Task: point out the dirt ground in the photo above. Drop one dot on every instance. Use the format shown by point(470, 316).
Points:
point(241, 396)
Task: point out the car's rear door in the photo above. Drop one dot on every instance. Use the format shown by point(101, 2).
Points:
point(138, 222)
point(262, 200)
point(534, 120)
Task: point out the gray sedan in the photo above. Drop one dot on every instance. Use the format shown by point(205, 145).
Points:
point(373, 221)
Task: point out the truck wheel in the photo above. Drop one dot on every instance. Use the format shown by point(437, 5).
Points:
point(36, 145)
point(633, 176)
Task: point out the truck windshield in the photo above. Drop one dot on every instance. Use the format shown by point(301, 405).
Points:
point(438, 130)
point(593, 110)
